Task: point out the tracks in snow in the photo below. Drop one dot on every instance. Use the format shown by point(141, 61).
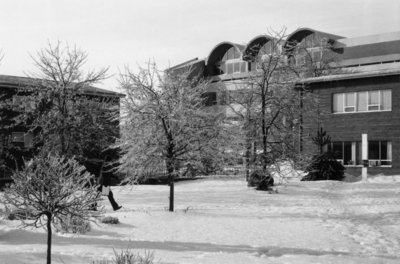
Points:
point(346, 214)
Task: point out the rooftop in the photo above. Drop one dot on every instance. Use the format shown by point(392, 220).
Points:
point(18, 81)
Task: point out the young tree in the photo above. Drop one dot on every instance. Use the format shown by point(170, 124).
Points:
point(49, 188)
point(165, 123)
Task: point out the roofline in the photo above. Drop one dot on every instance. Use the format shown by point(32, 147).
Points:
point(349, 76)
point(248, 45)
point(16, 82)
point(236, 45)
point(286, 43)
point(183, 64)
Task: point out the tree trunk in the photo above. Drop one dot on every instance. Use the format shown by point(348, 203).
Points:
point(170, 171)
point(264, 134)
point(49, 234)
point(171, 192)
point(248, 150)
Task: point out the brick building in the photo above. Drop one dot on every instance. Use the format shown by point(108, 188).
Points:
point(15, 138)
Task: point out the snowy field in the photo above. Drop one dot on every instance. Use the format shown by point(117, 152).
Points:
point(223, 221)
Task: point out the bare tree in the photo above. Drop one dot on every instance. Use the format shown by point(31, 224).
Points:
point(49, 188)
point(61, 85)
point(165, 124)
point(67, 115)
point(271, 106)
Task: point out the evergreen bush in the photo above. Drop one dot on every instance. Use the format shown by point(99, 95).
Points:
point(324, 167)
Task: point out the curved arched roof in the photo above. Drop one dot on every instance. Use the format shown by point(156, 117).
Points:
point(254, 45)
point(220, 49)
point(298, 35)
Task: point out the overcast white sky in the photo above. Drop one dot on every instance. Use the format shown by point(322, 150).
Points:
point(116, 33)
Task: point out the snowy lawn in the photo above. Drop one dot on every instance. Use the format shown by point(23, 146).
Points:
point(223, 221)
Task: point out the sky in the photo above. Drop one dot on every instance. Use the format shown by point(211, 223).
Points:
point(129, 33)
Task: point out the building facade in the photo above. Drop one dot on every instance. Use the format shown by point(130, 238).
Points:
point(17, 141)
point(358, 90)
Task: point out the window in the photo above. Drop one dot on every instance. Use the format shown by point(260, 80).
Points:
point(349, 152)
point(210, 98)
point(21, 137)
point(370, 101)
point(380, 153)
point(349, 102)
point(373, 101)
point(231, 62)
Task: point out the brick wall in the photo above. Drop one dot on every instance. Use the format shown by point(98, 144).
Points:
point(350, 126)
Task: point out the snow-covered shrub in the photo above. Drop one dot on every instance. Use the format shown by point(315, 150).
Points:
point(128, 257)
point(324, 167)
point(52, 187)
point(260, 180)
point(73, 224)
point(110, 220)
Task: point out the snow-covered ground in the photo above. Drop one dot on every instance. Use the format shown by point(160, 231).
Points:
point(223, 221)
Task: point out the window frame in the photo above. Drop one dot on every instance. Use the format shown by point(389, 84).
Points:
point(356, 160)
point(355, 105)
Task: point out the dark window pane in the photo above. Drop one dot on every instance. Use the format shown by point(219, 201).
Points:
point(384, 150)
point(337, 148)
point(373, 150)
point(347, 153)
point(210, 98)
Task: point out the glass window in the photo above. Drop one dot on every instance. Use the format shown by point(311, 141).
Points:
point(386, 99)
point(373, 150)
point(243, 66)
point(347, 157)
point(236, 67)
point(337, 149)
point(317, 55)
point(210, 98)
point(229, 68)
point(344, 151)
point(349, 102)
point(380, 153)
point(373, 100)
point(362, 101)
point(338, 103)
point(380, 100)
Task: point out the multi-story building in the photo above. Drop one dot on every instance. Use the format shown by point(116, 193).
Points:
point(360, 96)
point(17, 138)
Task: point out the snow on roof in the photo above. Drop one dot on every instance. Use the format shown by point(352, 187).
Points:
point(358, 72)
point(19, 81)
